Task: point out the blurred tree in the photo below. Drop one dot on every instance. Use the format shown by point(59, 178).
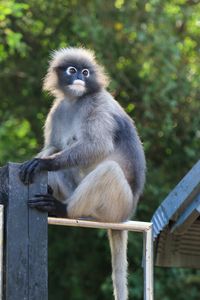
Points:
point(151, 52)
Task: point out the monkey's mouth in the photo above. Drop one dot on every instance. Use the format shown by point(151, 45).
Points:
point(78, 82)
point(78, 86)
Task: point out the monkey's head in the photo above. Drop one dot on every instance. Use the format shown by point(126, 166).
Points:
point(74, 72)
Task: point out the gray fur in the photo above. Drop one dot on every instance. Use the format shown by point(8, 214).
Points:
point(95, 143)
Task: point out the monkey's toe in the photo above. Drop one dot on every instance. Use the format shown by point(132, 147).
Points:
point(47, 203)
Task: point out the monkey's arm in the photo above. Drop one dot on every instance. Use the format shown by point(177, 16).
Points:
point(95, 143)
point(46, 151)
point(82, 154)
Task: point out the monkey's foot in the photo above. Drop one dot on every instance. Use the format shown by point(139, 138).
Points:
point(47, 203)
point(29, 169)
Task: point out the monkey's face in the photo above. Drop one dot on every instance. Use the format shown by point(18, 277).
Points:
point(77, 79)
point(74, 72)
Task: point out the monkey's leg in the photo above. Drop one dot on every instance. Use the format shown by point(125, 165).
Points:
point(104, 194)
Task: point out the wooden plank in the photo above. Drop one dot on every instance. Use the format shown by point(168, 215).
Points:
point(25, 259)
point(38, 245)
point(3, 184)
point(129, 225)
point(3, 200)
point(148, 264)
point(1, 250)
point(16, 238)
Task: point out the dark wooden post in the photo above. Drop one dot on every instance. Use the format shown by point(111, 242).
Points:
point(25, 238)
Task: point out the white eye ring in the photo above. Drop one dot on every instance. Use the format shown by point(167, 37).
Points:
point(86, 72)
point(71, 70)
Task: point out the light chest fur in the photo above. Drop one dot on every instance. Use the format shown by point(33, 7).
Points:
point(63, 125)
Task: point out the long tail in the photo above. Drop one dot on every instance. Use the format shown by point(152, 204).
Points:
point(118, 246)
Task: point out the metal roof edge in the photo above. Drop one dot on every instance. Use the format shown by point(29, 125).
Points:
point(189, 185)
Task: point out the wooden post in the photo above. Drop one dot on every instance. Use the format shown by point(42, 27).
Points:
point(1, 251)
point(25, 238)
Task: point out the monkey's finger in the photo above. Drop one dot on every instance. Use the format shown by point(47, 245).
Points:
point(40, 204)
point(26, 169)
point(30, 171)
point(26, 165)
point(50, 190)
point(22, 171)
point(45, 207)
point(40, 201)
point(45, 196)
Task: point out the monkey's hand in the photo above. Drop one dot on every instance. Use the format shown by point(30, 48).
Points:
point(30, 168)
point(47, 203)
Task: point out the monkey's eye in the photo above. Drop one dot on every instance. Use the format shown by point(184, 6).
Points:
point(86, 72)
point(71, 70)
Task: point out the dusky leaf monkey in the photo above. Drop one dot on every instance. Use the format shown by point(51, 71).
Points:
point(92, 151)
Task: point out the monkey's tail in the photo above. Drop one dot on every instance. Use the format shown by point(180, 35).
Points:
point(118, 246)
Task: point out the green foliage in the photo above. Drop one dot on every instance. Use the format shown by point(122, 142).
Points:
point(16, 140)
point(151, 51)
point(11, 40)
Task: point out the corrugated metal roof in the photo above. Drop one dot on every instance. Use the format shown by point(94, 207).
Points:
point(179, 250)
point(178, 200)
point(176, 224)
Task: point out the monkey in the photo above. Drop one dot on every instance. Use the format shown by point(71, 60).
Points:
point(92, 152)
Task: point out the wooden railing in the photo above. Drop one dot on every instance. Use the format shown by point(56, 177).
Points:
point(24, 240)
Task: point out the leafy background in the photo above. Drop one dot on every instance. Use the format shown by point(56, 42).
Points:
point(151, 50)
